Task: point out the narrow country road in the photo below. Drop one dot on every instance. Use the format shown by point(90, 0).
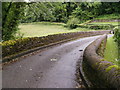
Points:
point(53, 67)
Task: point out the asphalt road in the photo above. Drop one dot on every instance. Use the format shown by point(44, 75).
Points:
point(53, 67)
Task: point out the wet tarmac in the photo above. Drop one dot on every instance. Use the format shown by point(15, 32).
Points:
point(53, 67)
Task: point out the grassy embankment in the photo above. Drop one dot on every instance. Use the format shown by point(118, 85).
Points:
point(113, 23)
point(46, 28)
point(111, 51)
point(109, 16)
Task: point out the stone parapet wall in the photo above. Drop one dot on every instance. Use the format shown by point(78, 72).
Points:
point(107, 72)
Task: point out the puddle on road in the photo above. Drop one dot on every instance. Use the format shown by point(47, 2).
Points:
point(30, 69)
point(53, 60)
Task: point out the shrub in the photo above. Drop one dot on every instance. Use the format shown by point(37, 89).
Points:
point(117, 38)
point(72, 23)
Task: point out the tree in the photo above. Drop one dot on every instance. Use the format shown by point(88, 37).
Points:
point(39, 11)
point(87, 10)
point(11, 14)
point(0, 13)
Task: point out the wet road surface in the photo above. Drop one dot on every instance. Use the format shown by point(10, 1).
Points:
point(53, 67)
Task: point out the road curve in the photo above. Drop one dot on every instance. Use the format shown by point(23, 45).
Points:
point(53, 67)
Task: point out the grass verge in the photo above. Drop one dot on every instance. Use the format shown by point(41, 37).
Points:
point(109, 16)
point(113, 23)
point(111, 51)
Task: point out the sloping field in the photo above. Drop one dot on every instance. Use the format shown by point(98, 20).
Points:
point(113, 23)
point(109, 16)
point(44, 29)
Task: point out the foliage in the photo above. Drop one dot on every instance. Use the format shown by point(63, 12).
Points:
point(117, 37)
point(86, 11)
point(98, 26)
point(61, 11)
point(109, 8)
point(15, 12)
point(113, 66)
point(117, 34)
point(0, 21)
point(38, 12)
point(44, 11)
point(11, 14)
point(72, 23)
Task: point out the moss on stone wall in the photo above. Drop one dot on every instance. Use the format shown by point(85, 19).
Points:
point(97, 69)
point(14, 46)
point(113, 66)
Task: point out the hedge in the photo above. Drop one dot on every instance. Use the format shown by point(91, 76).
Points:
point(117, 38)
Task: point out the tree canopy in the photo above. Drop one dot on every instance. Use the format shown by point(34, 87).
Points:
point(15, 12)
point(61, 12)
point(11, 14)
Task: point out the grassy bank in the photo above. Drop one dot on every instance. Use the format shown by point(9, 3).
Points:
point(46, 28)
point(113, 23)
point(109, 16)
point(111, 51)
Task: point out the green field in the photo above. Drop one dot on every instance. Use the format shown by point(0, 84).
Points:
point(113, 23)
point(111, 51)
point(109, 16)
point(45, 28)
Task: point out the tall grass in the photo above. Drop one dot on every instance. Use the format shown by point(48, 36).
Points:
point(111, 51)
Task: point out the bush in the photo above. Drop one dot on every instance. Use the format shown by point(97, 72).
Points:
point(72, 23)
point(117, 38)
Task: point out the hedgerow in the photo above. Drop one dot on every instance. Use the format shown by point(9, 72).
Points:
point(117, 38)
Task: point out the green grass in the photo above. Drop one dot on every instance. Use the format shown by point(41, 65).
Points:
point(111, 51)
point(45, 28)
point(113, 23)
point(109, 16)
